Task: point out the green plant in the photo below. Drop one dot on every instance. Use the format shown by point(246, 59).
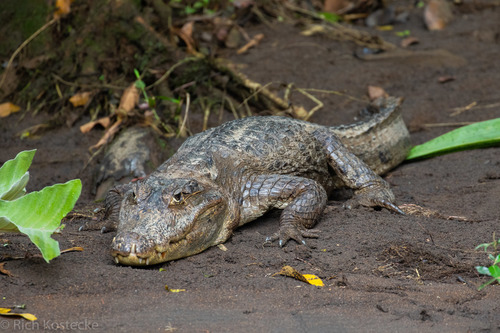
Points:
point(478, 135)
point(494, 269)
point(37, 214)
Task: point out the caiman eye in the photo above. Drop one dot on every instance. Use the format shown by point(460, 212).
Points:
point(178, 197)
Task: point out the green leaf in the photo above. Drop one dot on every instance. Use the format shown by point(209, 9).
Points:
point(38, 214)
point(139, 84)
point(330, 17)
point(483, 270)
point(14, 175)
point(495, 271)
point(478, 135)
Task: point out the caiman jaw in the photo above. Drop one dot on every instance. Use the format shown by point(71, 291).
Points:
point(130, 248)
point(128, 255)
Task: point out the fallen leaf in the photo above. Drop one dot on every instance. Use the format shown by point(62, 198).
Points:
point(186, 34)
point(104, 122)
point(110, 133)
point(5, 271)
point(444, 79)
point(222, 247)
point(80, 99)
point(72, 249)
point(409, 41)
point(62, 8)
point(437, 14)
point(173, 290)
point(129, 99)
point(307, 278)
point(314, 280)
point(27, 316)
point(334, 6)
point(375, 92)
point(8, 108)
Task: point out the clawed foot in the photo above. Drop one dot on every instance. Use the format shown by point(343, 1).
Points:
point(291, 231)
point(373, 197)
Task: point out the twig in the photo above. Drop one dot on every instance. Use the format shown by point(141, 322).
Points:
point(26, 42)
point(171, 69)
point(87, 86)
point(181, 130)
point(460, 110)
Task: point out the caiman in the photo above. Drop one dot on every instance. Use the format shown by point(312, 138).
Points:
point(229, 175)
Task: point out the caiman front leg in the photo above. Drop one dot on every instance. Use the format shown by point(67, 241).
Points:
point(302, 200)
point(370, 189)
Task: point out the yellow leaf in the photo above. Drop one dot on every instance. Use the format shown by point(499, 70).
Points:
point(63, 8)
point(80, 99)
point(173, 290)
point(314, 280)
point(27, 316)
point(307, 278)
point(8, 108)
point(385, 27)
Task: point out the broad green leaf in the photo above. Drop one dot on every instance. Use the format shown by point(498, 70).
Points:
point(38, 214)
point(478, 135)
point(495, 271)
point(483, 270)
point(7, 226)
point(14, 175)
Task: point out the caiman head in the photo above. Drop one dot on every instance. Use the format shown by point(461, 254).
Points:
point(162, 219)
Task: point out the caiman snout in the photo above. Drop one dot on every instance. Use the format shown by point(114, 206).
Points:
point(130, 248)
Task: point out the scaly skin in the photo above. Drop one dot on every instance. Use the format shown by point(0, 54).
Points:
point(232, 174)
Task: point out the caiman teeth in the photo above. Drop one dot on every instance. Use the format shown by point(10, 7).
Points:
point(132, 248)
point(140, 260)
point(117, 260)
point(147, 261)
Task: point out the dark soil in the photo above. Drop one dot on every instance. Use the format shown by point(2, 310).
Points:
point(382, 272)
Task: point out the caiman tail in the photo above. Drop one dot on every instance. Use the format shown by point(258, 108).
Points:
point(383, 141)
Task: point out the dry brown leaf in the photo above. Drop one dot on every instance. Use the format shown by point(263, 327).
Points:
point(129, 99)
point(253, 42)
point(185, 33)
point(5, 271)
point(62, 8)
point(72, 249)
point(447, 78)
point(80, 98)
point(8, 108)
point(334, 6)
point(409, 41)
point(437, 14)
point(110, 133)
point(375, 92)
point(104, 122)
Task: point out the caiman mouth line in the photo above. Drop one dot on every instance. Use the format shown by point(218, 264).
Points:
point(145, 258)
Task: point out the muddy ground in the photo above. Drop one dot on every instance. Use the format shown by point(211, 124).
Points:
point(382, 272)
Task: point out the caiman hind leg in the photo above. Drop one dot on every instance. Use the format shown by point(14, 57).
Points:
point(370, 189)
point(302, 200)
